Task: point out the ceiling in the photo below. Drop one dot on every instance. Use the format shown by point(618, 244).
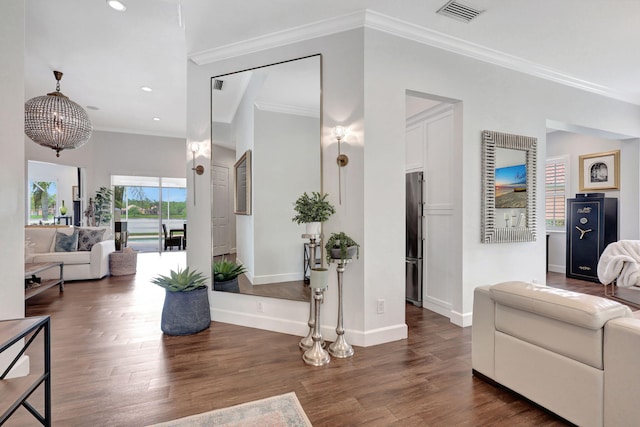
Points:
point(107, 56)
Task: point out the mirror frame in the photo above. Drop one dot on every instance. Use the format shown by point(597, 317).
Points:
point(490, 232)
point(242, 192)
point(265, 291)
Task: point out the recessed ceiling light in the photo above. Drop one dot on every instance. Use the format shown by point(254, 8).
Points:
point(91, 107)
point(146, 89)
point(156, 119)
point(117, 5)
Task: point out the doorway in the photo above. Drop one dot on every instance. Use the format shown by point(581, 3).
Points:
point(431, 140)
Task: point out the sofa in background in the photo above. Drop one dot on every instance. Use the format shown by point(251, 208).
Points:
point(83, 250)
point(576, 355)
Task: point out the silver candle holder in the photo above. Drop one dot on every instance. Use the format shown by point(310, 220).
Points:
point(316, 355)
point(307, 341)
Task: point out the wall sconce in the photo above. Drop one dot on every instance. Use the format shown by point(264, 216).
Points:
point(195, 147)
point(340, 132)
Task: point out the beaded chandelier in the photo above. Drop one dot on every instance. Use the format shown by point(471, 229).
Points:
point(55, 121)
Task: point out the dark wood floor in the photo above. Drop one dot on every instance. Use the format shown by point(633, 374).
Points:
point(113, 367)
point(294, 290)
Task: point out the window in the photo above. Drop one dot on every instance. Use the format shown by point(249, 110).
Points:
point(556, 192)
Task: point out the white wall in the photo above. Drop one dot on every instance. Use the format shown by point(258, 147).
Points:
point(342, 104)
point(285, 165)
point(243, 135)
point(356, 63)
point(114, 153)
point(12, 191)
point(573, 145)
point(12, 24)
point(493, 98)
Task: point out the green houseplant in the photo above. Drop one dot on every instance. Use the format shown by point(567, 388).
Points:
point(102, 206)
point(186, 302)
point(225, 275)
point(314, 209)
point(341, 246)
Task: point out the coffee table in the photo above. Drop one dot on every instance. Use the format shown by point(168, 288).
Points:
point(33, 285)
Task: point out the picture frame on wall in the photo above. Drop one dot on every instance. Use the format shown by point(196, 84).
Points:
point(242, 170)
point(600, 171)
point(75, 192)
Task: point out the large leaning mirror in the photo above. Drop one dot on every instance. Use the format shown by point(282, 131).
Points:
point(508, 188)
point(273, 113)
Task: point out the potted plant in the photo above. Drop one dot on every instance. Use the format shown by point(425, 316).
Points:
point(341, 246)
point(225, 275)
point(313, 210)
point(102, 206)
point(186, 303)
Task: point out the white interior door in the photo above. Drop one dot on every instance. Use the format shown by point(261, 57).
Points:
point(220, 213)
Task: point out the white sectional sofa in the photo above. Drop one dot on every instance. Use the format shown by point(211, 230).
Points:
point(87, 259)
point(576, 355)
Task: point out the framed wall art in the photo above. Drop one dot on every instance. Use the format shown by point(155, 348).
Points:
point(243, 184)
point(600, 171)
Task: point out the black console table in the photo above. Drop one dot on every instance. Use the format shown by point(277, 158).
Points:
point(16, 391)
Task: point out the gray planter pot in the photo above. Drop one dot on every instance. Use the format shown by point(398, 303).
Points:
point(227, 286)
point(351, 252)
point(186, 313)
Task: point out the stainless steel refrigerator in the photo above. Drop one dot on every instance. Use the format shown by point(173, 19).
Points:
point(414, 240)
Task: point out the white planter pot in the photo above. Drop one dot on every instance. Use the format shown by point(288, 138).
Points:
point(313, 227)
point(319, 278)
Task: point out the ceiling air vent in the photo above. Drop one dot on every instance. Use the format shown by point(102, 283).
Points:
point(460, 11)
point(217, 84)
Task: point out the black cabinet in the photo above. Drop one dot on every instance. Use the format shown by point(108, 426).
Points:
point(592, 223)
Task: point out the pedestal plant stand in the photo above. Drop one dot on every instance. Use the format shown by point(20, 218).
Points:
point(316, 355)
point(340, 348)
point(341, 249)
point(307, 342)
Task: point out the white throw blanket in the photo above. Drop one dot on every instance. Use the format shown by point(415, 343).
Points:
point(620, 261)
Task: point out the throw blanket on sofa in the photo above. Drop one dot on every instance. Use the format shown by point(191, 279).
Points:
point(620, 261)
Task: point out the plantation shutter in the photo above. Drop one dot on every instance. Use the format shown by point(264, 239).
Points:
point(555, 193)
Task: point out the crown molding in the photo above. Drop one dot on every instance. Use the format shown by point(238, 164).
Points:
point(386, 24)
point(288, 109)
point(453, 44)
point(280, 38)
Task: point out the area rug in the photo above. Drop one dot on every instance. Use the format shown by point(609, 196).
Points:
point(277, 411)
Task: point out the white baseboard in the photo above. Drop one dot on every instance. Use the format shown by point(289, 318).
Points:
point(437, 306)
point(558, 268)
point(276, 278)
point(284, 326)
point(461, 319)
point(300, 329)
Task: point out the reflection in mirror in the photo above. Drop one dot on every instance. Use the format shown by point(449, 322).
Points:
point(508, 188)
point(243, 184)
point(53, 194)
point(273, 111)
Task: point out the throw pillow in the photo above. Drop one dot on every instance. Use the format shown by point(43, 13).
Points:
point(87, 238)
point(66, 243)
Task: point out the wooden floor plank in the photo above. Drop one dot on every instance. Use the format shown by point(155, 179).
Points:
point(112, 366)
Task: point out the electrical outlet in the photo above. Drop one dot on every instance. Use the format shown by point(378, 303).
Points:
point(380, 306)
point(260, 307)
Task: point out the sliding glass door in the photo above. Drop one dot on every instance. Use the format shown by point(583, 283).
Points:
point(154, 209)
